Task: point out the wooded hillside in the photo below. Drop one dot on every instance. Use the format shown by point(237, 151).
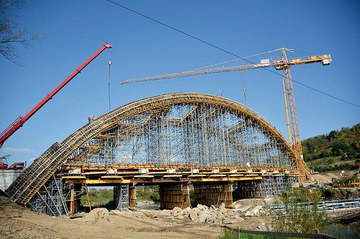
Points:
point(338, 150)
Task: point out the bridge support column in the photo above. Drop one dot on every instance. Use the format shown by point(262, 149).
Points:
point(247, 189)
point(132, 196)
point(121, 197)
point(74, 201)
point(213, 194)
point(174, 195)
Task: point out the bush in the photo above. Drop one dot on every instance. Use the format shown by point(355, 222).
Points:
point(298, 217)
point(231, 234)
point(98, 197)
point(148, 193)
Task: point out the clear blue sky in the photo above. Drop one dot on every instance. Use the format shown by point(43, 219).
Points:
point(71, 31)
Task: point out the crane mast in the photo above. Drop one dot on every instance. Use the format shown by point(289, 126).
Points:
point(10, 130)
point(290, 105)
point(290, 109)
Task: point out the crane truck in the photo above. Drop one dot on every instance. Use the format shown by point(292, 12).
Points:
point(12, 128)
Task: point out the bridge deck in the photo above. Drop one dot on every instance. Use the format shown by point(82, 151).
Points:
point(148, 174)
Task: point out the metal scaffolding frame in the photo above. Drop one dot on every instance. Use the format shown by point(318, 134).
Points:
point(186, 134)
point(172, 129)
point(273, 186)
point(51, 198)
point(121, 197)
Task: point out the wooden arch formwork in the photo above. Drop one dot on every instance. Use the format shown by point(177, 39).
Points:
point(175, 130)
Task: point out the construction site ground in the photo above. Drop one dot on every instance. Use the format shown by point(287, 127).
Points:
point(18, 222)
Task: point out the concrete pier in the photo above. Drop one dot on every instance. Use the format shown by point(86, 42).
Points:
point(7, 177)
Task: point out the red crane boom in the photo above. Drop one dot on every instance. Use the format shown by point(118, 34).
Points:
point(12, 128)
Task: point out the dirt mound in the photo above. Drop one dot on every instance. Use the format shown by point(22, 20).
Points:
point(97, 214)
point(13, 224)
point(9, 209)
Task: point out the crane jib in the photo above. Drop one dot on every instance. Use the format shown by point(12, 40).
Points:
point(278, 64)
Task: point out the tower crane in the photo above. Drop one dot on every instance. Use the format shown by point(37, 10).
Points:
point(12, 128)
point(283, 64)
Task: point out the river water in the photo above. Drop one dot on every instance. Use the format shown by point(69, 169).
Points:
point(351, 230)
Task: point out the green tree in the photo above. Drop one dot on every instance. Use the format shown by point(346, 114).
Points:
point(332, 135)
point(339, 148)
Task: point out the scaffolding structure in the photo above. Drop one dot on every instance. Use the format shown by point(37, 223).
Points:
point(273, 186)
point(186, 134)
point(121, 197)
point(172, 130)
point(51, 198)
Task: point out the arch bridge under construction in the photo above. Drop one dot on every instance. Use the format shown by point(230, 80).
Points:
point(218, 147)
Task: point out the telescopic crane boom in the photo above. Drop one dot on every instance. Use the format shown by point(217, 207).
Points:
point(22, 119)
point(284, 64)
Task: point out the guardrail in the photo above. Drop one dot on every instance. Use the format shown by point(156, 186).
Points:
point(326, 205)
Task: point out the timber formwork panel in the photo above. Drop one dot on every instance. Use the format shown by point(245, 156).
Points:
point(174, 195)
point(247, 189)
point(213, 194)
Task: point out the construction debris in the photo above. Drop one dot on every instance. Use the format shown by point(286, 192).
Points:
point(212, 214)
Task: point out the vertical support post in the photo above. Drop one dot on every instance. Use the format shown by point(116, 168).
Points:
point(226, 196)
point(72, 199)
point(132, 196)
point(87, 196)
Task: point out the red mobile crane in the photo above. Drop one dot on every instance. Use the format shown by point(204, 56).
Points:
point(22, 119)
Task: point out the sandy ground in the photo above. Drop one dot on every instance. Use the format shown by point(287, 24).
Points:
point(325, 177)
point(328, 176)
point(18, 222)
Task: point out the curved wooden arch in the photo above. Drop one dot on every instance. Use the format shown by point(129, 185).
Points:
point(35, 176)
